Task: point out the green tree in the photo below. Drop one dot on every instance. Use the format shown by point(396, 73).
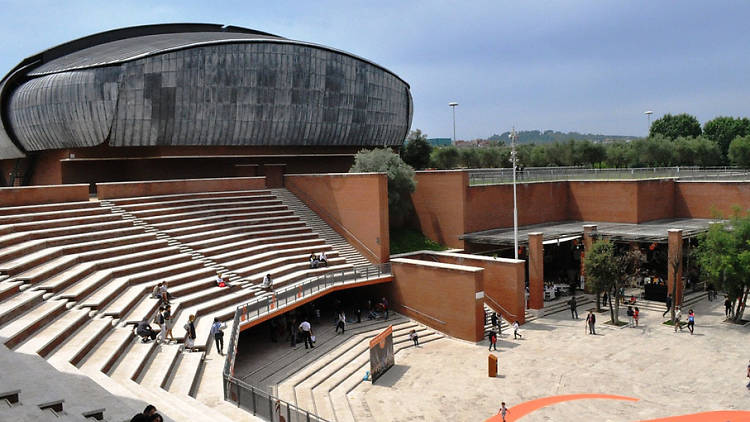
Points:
point(417, 150)
point(608, 268)
point(698, 151)
point(723, 130)
point(401, 182)
point(675, 126)
point(724, 257)
point(591, 153)
point(469, 157)
point(493, 157)
point(445, 158)
point(617, 154)
point(739, 151)
point(653, 151)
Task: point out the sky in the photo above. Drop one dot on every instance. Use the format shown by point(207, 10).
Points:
point(587, 66)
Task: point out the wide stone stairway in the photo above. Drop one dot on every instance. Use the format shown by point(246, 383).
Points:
point(75, 277)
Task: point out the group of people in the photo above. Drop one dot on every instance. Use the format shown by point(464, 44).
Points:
point(492, 335)
point(319, 260)
point(148, 415)
point(633, 315)
point(161, 292)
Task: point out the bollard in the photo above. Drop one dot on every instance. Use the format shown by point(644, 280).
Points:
point(492, 366)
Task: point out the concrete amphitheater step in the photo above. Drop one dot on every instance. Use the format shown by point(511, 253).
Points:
point(184, 377)
point(287, 364)
point(265, 244)
point(18, 304)
point(51, 215)
point(78, 345)
point(104, 354)
point(147, 206)
point(277, 262)
point(30, 322)
point(185, 196)
point(81, 229)
point(56, 223)
point(338, 397)
point(352, 367)
point(245, 211)
point(217, 237)
point(30, 209)
point(142, 281)
point(55, 333)
point(236, 224)
point(198, 206)
point(160, 366)
point(320, 227)
point(9, 288)
point(130, 363)
point(306, 378)
point(38, 257)
point(260, 216)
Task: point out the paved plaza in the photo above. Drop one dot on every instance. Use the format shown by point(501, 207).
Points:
point(670, 373)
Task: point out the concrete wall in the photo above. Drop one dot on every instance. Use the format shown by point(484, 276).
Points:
point(442, 296)
point(439, 201)
point(167, 187)
point(34, 195)
point(702, 199)
point(355, 205)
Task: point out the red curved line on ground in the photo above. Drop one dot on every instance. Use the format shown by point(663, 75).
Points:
point(523, 409)
point(717, 416)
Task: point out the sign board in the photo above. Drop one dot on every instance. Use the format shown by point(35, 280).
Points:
point(381, 353)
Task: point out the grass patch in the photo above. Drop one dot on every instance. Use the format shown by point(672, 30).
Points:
point(671, 324)
point(410, 240)
point(619, 323)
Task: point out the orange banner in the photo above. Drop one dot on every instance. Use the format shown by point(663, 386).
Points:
point(380, 337)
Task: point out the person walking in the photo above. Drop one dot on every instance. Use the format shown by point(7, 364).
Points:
point(414, 337)
point(631, 322)
point(493, 339)
point(169, 322)
point(573, 308)
point(306, 330)
point(727, 307)
point(493, 319)
point(162, 325)
point(668, 303)
point(503, 411)
point(341, 323)
point(677, 318)
point(516, 330)
point(591, 321)
point(691, 321)
point(636, 314)
point(218, 334)
point(605, 297)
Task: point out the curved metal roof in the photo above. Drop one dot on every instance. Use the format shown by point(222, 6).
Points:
point(127, 44)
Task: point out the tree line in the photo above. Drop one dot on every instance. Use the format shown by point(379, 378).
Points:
point(674, 140)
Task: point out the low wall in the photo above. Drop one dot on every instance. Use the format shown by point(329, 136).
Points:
point(442, 296)
point(353, 204)
point(35, 195)
point(503, 280)
point(167, 187)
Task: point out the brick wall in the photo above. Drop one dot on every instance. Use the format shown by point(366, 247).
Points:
point(167, 187)
point(34, 195)
point(703, 199)
point(442, 296)
point(355, 205)
point(439, 201)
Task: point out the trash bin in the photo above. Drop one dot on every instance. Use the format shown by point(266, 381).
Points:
point(492, 366)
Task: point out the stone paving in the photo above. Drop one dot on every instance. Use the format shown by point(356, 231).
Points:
point(670, 373)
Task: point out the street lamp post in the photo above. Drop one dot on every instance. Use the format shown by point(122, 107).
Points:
point(648, 113)
point(514, 160)
point(453, 106)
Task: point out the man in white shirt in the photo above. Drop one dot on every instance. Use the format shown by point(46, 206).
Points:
point(267, 282)
point(306, 330)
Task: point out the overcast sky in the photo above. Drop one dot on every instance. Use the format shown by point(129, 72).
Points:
point(586, 66)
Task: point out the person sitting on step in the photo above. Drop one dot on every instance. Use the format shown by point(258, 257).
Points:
point(314, 260)
point(323, 259)
point(267, 282)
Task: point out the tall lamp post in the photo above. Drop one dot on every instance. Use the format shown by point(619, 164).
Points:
point(453, 106)
point(648, 113)
point(514, 159)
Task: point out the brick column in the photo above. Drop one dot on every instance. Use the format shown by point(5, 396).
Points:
point(674, 280)
point(589, 230)
point(274, 175)
point(536, 271)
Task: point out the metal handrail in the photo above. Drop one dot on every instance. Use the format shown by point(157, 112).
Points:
point(422, 313)
point(328, 280)
point(501, 307)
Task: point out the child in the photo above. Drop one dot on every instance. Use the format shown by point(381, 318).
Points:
point(636, 312)
point(503, 410)
point(516, 330)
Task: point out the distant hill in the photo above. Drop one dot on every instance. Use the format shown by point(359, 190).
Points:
point(539, 137)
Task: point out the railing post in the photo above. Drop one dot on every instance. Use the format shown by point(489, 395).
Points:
point(238, 394)
point(252, 393)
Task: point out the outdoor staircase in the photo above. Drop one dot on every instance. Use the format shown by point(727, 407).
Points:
point(345, 249)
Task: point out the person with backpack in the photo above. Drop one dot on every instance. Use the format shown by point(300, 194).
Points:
point(492, 336)
point(218, 334)
point(144, 331)
point(414, 337)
